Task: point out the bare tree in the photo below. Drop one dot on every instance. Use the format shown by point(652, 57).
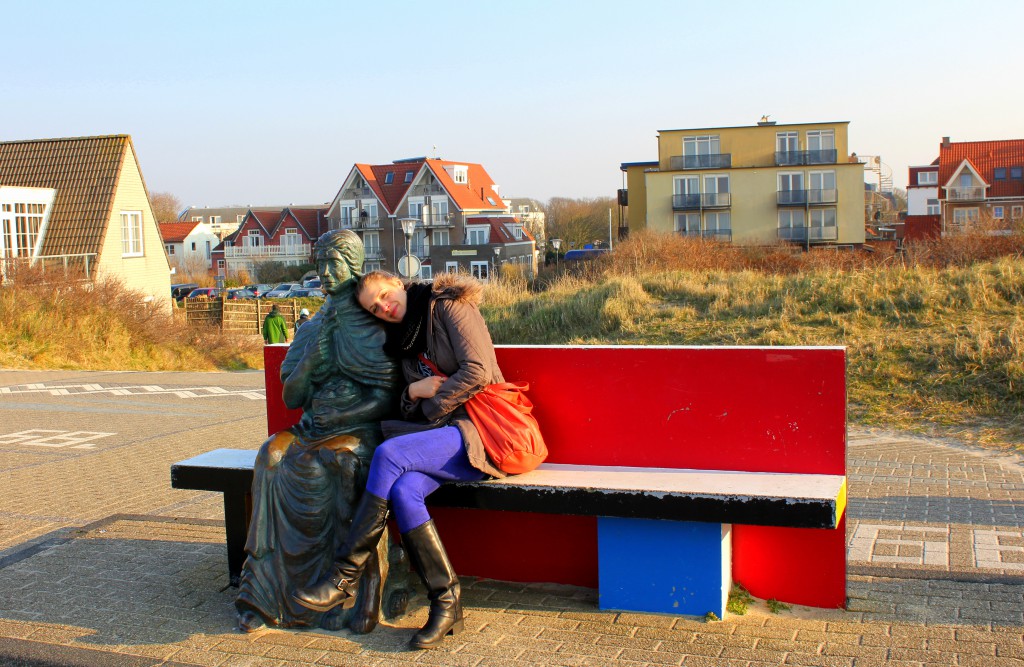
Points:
point(578, 221)
point(165, 207)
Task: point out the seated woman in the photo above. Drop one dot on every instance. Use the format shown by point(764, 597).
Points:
point(307, 479)
point(437, 326)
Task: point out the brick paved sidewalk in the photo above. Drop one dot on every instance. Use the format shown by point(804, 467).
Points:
point(936, 538)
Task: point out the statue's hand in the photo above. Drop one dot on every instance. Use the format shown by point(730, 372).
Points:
point(325, 416)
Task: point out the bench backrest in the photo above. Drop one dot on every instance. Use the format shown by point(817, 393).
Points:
point(759, 409)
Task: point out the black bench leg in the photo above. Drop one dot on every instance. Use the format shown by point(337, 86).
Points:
point(237, 510)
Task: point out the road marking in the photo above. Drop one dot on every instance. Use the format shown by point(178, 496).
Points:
point(40, 437)
point(999, 549)
point(134, 390)
point(875, 543)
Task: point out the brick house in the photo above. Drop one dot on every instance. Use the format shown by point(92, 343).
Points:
point(283, 235)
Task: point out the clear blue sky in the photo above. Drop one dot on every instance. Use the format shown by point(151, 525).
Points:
point(270, 103)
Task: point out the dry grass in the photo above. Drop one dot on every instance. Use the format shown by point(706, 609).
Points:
point(77, 325)
point(934, 337)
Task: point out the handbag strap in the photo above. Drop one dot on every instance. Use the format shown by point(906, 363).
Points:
point(431, 365)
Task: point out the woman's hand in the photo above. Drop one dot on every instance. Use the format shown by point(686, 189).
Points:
point(425, 388)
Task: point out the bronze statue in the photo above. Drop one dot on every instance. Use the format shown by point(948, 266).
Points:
point(309, 478)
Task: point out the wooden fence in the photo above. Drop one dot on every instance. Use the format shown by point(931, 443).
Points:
point(239, 315)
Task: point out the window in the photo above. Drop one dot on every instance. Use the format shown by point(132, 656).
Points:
point(707, 144)
point(787, 142)
point(716, 190)
point(963, 216)
point(517, 232)
point(999, 173)
point(239, 218)
point(170, 248)
point(718, 222)
point(821, 140)
point(197, 218)
point(460, 174)
point(791, 181)
point(998, 213)
point(415, 209)
point(823, 187)
point(371, 244)
point(441, 237)
point(451, 267)
point(790, 218)
point(371, 266)
point(131, 233)
point(1016, 212)
point(823, 217)
point(932, 207)
point(426, 272)
point(479, 270)
point(208, 250)
point(1017, 173)
point(476, 235)
point(927, 178)
point(688, 224)
point(408, 177)
point(214, 220)
point(389, 178)
point(193, 247)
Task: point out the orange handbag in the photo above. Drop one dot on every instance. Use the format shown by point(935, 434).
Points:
point(503, 417)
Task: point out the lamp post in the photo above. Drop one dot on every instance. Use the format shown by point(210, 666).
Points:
point(408, 228)
point(556, 244)
point(497, 258)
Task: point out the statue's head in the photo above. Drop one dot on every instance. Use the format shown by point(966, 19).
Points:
point(339, 259)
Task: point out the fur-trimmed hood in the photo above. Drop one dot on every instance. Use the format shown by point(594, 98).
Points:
point(459, 287)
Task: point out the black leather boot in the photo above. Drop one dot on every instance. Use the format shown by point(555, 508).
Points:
point(429, 558)
point(340, 585)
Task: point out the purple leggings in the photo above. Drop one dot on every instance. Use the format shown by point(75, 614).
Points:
point(408, 468)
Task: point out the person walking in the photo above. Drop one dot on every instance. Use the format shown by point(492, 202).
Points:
point(447, 357)
point(275, 328)
point(303, 318)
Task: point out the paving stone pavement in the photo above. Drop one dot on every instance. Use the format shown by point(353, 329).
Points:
point(95, 570)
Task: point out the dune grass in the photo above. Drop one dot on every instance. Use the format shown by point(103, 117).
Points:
point(932, 345)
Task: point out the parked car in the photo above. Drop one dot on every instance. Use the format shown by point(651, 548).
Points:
point(240, 293)
point(314, 282)
point(281, 291)
point(204, 293)
point(260, 290)
point(300, 292)
point(180, 290)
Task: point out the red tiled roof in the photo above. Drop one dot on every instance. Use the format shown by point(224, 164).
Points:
point(272, 221)
point(470, 195)
point(500, 233)
point(390, 194)
point(985, 156)
point(84, 171)
point(175, 232)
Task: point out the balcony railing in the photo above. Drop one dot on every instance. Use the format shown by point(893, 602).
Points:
point(802, 197)
point(373, 254)
point(967, 194)
point(360, 223)
point(432, 189)
point(713, 234)
point(796, 158)
point(791, 197)
point(712, 161)
point(356, 193)
point(285, 250)
point(823, 196)
point(699, 201)
point(804, 234)
point(436, 220)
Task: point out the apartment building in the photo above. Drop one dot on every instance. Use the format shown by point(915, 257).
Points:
point(757, 185)
point(981, 182)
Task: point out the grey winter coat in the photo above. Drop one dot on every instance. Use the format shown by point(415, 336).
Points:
point(459, 343)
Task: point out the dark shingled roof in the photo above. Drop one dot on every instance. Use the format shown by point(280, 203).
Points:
point(83, 170)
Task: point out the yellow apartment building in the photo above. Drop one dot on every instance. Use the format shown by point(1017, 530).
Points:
point(754, 185)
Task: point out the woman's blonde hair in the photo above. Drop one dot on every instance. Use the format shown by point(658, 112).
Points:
point(377, 276)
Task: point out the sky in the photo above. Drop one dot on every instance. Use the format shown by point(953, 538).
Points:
point(260, 103)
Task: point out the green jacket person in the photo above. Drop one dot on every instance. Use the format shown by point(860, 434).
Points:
point(275, 329)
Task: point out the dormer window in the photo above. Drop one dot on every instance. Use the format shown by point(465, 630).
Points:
point(460, 174)
point(389, 178)
point(408, 177)
point(1000, 173)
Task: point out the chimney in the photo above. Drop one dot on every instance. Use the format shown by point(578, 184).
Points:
point(945, 142)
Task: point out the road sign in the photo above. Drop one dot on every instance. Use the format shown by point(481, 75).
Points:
point(409, 266)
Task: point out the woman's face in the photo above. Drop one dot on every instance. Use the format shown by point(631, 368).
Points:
point(384, 299)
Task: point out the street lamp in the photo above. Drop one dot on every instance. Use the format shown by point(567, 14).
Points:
point(497, 258)
point(409, 228)
point(556, 244)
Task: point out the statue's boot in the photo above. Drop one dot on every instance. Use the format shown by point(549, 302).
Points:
point(429, 558)
point(340, 585)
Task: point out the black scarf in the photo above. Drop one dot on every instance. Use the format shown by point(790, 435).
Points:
point(408, 338)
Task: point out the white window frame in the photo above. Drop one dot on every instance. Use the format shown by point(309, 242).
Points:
point(686, 185)
point(932, 207)
point(687, 224)
point(927, 178)
point(787, 142)
point(822, 218)
point(793, 217)
point(480, 269)
point(998, 212)
point(132, 244)
point(791, 176)
point(477, 234)
point(460, 174)
point(451, 267)
point(170, 248)
point(215, 219)
point(371, 242)
point(441, 237)
point(426, 272)
point(702, 144)
point(253, 239)
point(718, 221)
point(963, 215)
point(1016, 212)
point(821, 138)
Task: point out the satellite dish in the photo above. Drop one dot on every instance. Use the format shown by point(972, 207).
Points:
point(409, 266)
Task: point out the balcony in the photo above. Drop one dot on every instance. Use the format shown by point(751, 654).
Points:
point(373, 253)
point(712, 161)
point(701, 201)
point(791, 197)
point(973, 193)
point(797, 158)
point(357, 193)
point(709, 234)
point(806, 234)
point(427, 189)
point(436, 220)
point(360, 223)
point(269, 251)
